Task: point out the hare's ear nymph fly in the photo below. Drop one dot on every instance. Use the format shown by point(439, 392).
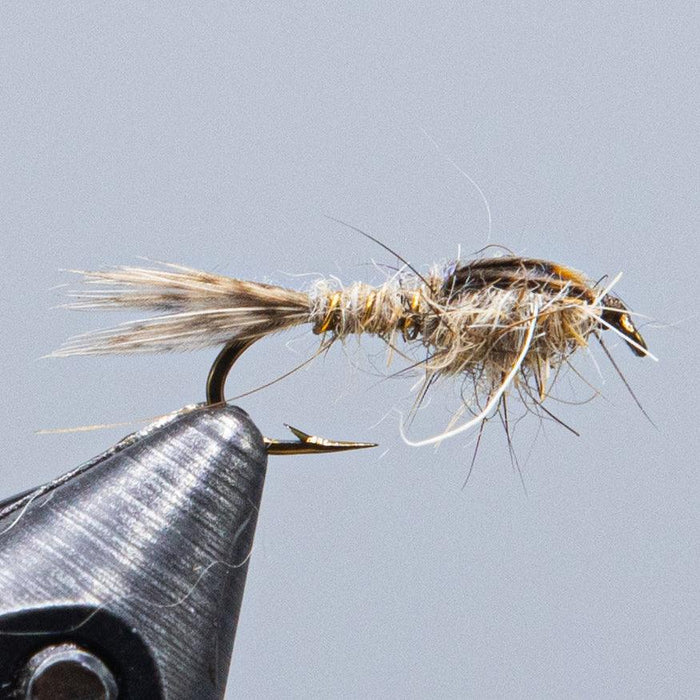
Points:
point(616, 315)
point(497, 323)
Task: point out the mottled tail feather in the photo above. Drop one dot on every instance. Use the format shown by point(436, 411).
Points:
point(197, 310)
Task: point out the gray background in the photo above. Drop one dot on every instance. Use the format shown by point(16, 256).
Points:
point(219, 135)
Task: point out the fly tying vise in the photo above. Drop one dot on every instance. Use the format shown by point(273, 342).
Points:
point(500, 322)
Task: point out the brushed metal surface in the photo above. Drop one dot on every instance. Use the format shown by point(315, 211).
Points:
point(144, 547)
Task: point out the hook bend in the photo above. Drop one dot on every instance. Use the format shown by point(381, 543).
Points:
point(304, 444)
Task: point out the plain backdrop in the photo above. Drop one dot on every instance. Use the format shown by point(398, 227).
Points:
point(221, 135)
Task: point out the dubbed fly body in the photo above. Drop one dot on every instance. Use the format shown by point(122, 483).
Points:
point(499, 322)
point(540, 275)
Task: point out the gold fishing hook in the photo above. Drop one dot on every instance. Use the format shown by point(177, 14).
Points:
point(304, 444)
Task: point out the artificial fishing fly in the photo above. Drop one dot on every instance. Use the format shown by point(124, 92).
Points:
point(499, 322)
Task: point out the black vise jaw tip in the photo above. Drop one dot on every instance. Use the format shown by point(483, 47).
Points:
point(125, 577)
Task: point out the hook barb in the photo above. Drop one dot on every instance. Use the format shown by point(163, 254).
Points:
point(304, 444)
point(310, 444)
